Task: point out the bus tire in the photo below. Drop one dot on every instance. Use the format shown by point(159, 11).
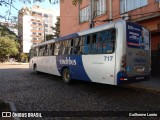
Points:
point(35, 69)
point(66, 75)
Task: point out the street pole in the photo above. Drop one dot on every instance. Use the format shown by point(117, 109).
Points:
point(91, 23)
point(110, 9)
point(44, 30)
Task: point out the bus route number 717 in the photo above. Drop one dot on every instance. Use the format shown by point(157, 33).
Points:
point(108, 58)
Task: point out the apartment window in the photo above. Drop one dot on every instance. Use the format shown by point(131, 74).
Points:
point(34, 38)
point(46, 25)
point(84, 14)
point(34, 28)
point(39, 28)
point(128, 5)
point(100, 7)
point(45, 15)
point(39, 14)
point(34, 23)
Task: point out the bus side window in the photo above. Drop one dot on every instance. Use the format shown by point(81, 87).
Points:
point(53, 48)
point(64, 47)
point(112, 35)
point(60, 48)
point(104, 35)
point(36, 51)
point(78, 46)
point(31, 53)
point(70, 47)
point(56, 48)
point(49, 48)
point(46, 50)
point(108, 46)
point(86, 44)
point(97, 43)
point(41, 50)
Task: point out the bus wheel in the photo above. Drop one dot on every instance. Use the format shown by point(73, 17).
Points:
point(35, 69)
point(66, 76)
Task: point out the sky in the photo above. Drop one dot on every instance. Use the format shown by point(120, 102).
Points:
point(18, 5)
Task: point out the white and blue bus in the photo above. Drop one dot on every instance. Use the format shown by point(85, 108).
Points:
point(113, 53)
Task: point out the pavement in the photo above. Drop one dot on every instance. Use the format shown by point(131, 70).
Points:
point(15, 63)
point(153, 84)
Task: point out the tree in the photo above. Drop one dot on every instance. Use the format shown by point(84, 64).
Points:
point(49, 37)
point(74, 2)
point(8, 47)
point(57, 28)
point(8, 43)
point(10, 5)
point(52, 1)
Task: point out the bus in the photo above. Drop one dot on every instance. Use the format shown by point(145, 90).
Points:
point(114, 53)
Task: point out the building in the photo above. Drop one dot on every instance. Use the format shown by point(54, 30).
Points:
point(91, 13)
point(34, 24)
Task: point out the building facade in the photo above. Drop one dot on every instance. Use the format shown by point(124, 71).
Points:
point(91, 13)
point(34, 25)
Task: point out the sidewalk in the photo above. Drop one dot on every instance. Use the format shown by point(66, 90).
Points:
point(14, 63)
point(153, 84)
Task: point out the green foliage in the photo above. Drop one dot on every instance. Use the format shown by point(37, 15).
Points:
point(74, 2)
point(57, 28)
point(4, 31)
point(8, 47)
point(23, 57)
point(8, 43)
point(49, 37)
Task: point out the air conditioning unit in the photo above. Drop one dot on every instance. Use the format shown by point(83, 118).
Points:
point(125, 16)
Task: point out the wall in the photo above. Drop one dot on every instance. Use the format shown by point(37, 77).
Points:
point(27, 38)
point(69, 17)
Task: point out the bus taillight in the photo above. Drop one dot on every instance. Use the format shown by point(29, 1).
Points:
point(123, 63)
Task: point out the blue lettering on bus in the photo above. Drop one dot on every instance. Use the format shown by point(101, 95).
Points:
point(75, 64)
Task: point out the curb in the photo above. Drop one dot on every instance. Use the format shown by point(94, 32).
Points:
point(142, 87)
point(15, 63)
point(13, 108)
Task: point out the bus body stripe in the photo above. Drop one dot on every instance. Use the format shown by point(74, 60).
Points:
point(75, 64)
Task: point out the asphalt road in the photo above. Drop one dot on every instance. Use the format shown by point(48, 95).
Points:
point(44, 92)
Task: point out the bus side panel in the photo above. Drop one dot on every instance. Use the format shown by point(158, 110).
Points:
point(75, 65)
point(100, 68)
point(46, 64)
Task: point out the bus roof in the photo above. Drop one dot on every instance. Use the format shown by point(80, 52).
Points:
point(44, 43)
point(84, 32)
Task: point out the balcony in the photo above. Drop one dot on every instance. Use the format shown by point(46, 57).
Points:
point(37, 31)
point(36, 41)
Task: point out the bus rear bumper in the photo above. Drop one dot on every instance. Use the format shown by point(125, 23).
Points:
point(133, 79)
